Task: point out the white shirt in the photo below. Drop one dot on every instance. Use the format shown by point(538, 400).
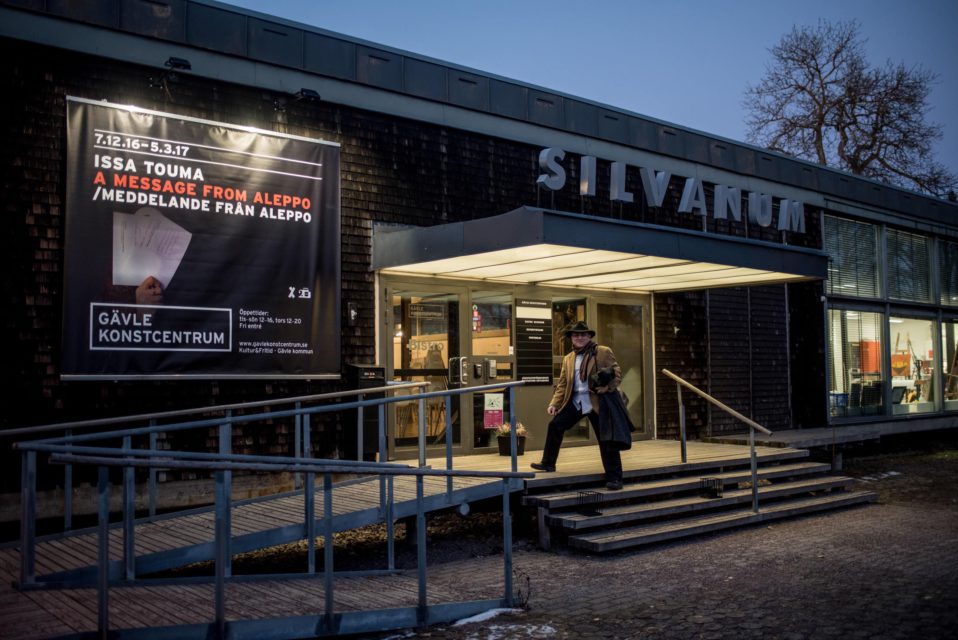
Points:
point(580, 387)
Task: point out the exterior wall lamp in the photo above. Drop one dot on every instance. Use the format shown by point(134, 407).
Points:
point(178, 64)
point(307, 94)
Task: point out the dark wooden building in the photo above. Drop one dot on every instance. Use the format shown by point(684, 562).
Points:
point(797, 294)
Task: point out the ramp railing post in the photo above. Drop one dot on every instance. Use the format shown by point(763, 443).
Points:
point(307, 438)
point(390, 526)
point(224, 494)
point(359, 428)
point(28, 517)
point(103, 552)
point(754, 465)
point(383, 455)
point(310, 515)
point(67, 489)
point(298, 444)
point(307, 434)
point(422, 432)
point(222, 545)
point(513, 436)
point(421, 613)
point(328, 547)
point(507, 542)
point(448, 400)
point(383, 452)
point(678, 389)
point(151, 480)
point(129, 517)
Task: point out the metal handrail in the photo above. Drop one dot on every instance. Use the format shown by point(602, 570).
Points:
point(31, 445)
point(142, 417)
point(751, 424)
point(718, 403)
point(222, 534)
point(78, 444)
point(307, 465)
point(28, 472)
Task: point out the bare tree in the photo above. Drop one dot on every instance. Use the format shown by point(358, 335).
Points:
point(821, 101)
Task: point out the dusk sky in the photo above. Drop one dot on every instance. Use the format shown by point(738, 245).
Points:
point(685, 62)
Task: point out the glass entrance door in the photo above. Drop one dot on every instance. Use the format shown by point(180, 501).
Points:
point(424, 330)
point(490, 318)
point(429, 322)
point(566, 311)
point(622, 328)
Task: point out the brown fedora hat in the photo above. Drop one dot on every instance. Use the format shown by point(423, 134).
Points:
point(579, 327)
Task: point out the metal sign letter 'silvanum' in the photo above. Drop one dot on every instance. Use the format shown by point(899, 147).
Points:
point(726, 201)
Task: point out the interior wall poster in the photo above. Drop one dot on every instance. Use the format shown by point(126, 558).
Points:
point(198, 249)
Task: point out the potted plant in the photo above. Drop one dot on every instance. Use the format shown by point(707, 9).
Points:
point(504, 439)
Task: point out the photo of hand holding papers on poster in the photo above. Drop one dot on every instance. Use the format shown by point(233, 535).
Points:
point(198, 249)
point(147, 251)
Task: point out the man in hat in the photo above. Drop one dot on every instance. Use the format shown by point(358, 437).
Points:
point(573, 398)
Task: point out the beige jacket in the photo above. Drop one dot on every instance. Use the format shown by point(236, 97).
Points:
point(604, 358)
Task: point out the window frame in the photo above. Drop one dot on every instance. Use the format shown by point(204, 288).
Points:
point(843, 223)
point(929, 267)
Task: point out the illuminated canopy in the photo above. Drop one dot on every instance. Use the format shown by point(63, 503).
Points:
point(539, 246)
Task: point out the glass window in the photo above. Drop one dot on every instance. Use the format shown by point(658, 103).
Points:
point(912, 365)
point(909, 266)
point(852, 249)
point(855, 362)
point(565, 312)
point(948, 267)
point(949, 347)
point(491, 321)
point(619, 326)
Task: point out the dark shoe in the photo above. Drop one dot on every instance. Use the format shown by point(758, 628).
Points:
point(538, 466)
point(613, 485)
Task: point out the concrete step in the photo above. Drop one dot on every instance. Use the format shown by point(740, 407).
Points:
point(624, 538)
point(561, 481)
point(649, 488)
point(682, 506)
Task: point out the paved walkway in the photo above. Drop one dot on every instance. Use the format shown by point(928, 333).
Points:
point(888, 570)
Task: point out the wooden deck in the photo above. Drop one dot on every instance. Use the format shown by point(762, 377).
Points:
point(51, 613)
point(808, 438)
point(831, 439)
point(268, 521)
point(581, 464)
point(46, 613)
point(182, 539)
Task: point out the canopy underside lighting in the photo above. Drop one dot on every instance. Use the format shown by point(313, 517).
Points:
point(561, 266)
point(539, 247)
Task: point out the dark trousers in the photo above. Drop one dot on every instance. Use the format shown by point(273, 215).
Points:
point(567, 418)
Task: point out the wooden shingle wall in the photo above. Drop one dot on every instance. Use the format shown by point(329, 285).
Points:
point(392, 171)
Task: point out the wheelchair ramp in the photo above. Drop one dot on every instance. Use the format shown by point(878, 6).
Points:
point(179, 539)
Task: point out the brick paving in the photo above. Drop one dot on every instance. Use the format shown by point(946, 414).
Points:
point(883, 571)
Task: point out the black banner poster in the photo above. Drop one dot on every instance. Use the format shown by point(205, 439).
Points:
point(198, 249)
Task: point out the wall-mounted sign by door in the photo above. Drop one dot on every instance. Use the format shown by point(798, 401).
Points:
point(534, 341)
point(492, 410)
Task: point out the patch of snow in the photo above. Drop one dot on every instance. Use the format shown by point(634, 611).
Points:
point(486, 615)
point(513, 632)
point(880, 476)
point(505, 631)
